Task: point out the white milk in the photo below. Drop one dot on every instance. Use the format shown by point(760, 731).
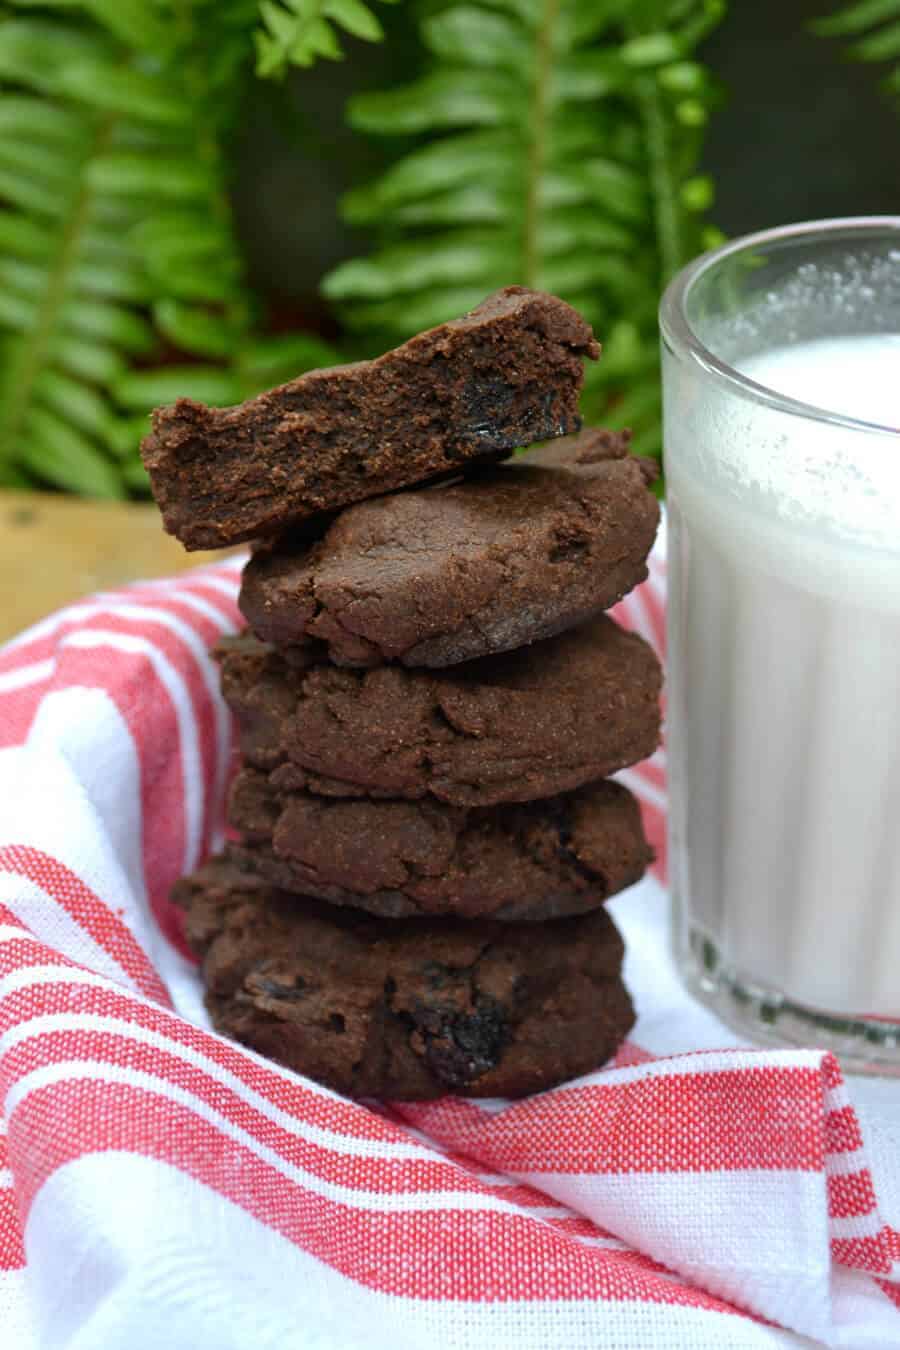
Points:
point(785, 553)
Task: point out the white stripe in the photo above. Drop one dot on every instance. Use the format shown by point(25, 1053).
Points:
point(108, 602)
point(224, 585)
point(10, 932)
point(700, 1062)
point(607, 1244)
point(35, 632)
point(639, 617)
point(184, 715)
point(52, 925)
point(844, 1164)
point(211, 1274)
point(17, 1311)
point(351, 1147)
point(6, 1179)
point(858, 1226)
point(224, 622)
point(198, 649)
point(642, 788)
point(403, 1202)
point(173, 590)
point(836, 1098)
point(146, 594)
point(23, 977)
point(25, 675)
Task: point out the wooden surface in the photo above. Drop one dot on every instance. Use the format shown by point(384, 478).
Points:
point(54, 549)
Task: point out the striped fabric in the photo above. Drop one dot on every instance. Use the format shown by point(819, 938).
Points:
point(161, 1187)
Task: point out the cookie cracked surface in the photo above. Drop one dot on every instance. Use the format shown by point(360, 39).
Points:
point(513, 727)
point(519, 861)
point(434, 576)
point(410, 1009)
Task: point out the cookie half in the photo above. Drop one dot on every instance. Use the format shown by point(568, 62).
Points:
point(507, 374)
point(513, 727)
point(411, 1009)
point(436, 576)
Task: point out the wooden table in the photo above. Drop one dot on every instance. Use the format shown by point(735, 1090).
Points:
point(54, 549)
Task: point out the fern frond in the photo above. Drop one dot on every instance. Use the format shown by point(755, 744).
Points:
point(59, 297)
point(874, 26)
point(299, 32)
point(118, 246)
point(563, 152)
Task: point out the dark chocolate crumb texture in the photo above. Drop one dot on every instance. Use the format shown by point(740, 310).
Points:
point(519, 861)
point(514, 554)
point(506, 375)
point(405, 1009)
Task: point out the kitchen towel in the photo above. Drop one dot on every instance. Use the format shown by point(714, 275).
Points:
point(162, 1187)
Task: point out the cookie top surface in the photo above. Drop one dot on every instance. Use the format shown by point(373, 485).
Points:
point(435, 576)
point(405, 1009)
point(512, 727)
point(519, 861)
point(507, 374)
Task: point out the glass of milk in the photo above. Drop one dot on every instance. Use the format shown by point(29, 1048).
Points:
point(781, 367)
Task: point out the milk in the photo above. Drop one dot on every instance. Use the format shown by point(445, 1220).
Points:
point(784, 688)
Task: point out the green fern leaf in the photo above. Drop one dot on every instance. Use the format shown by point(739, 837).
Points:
point(875, 26)
point(299, 32)
point(119, 264)
point(562, 147)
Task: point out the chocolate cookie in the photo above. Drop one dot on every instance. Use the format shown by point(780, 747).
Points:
point(405, 1009)
point(440, 575)
point(507, 728)
point(507, 374)
point(522, 861)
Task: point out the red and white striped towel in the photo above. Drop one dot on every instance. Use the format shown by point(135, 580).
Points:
point(161, 1187)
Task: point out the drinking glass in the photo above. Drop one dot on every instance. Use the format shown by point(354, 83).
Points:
point(781, 379)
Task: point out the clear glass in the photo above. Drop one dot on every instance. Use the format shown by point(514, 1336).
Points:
point(784, 633)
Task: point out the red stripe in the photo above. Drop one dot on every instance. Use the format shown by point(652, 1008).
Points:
point(89, 912)
point(852, 1195)
point(144, 705)
point(94, 661)
point(579, 1226)
point(630, 1053)
point(12, 1247)
point(304, 1101)
point(842, 1131)
point(892, 1290)
point(652, 771)
point(644, 610)
point(17, 710)
point(28, 651)
point(831, 1073)
point(385, 1176)
point(130, 682)
point(720, 1120)
point(108, 608)
point(656, 830)
point(13, 921)
point(476, 1256)
point(863, 1253)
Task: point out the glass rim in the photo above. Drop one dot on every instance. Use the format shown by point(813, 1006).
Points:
point(680, 336)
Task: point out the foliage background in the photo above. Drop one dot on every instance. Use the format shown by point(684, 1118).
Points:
point(169, 169)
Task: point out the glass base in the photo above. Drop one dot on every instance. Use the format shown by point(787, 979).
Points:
point(765, 1015)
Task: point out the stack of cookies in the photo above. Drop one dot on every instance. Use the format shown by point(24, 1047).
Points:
point(430, 702)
